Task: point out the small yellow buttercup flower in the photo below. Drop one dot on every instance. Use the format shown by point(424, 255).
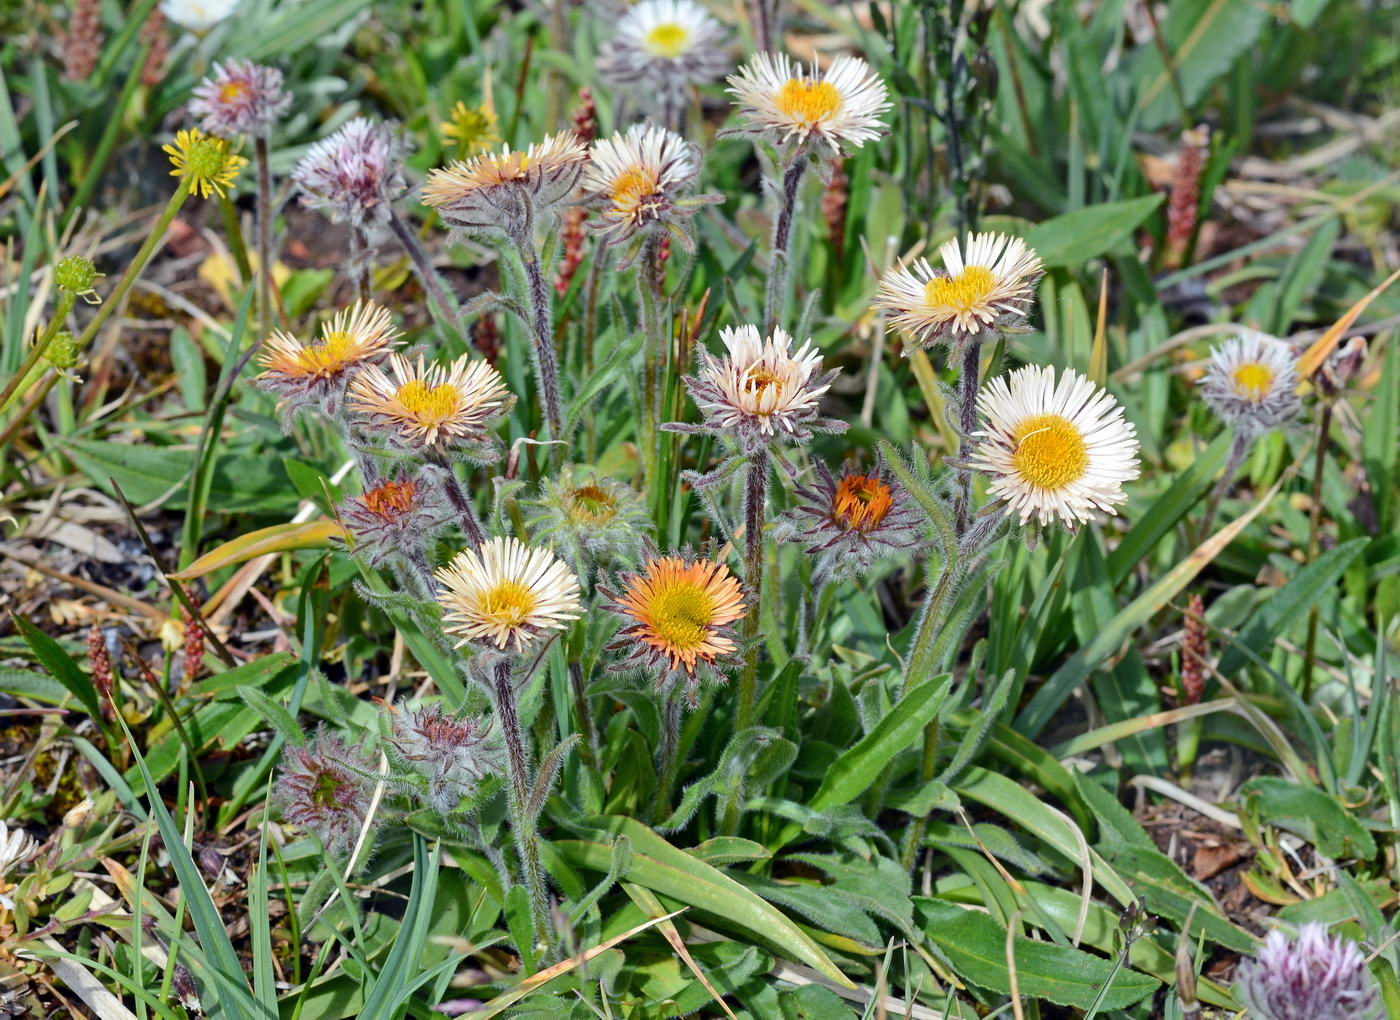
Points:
point(208, 162)
point(472, 130)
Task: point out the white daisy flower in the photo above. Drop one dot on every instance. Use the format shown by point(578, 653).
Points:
point(761, 390)
point(637, 179)
point(1054, 449)
point(198, 15)
point(1252, 383)
point(15, 845)
point(839, 106)
point(353, 175)
point(668, 45)
point(507, 595)
point(240, 98)
point(506, 190)
point(983, 290)
point(315, 374)
point(423, 408)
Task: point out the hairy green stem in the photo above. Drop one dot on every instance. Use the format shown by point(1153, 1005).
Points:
point(668, 760)
point(656, 346)
point(755, 499)
point(967, 410)
point(782, 241)
point(522, 824)
point(1324, 427)
point(461, 502)
point(264, 213)
point(546, 360)
point(584, 712)
point(1239, 448)
point(447, 309)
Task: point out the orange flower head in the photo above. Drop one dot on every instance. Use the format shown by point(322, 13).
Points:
point(680, 610)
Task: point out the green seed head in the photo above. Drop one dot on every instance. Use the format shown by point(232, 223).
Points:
point(75, 274)
point(208, 158)
point(62, 352)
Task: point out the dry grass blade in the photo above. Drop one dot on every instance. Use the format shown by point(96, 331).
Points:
point(34, 160)
point(537, 981)
point(1315, 355)
point(1011, 924)
point(88, 987)
point(644, 899)
point(1098, 354)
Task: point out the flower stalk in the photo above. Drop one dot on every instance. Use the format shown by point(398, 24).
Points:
point(755, 501)
point(782, 241)
point(649, 289)
point(264, 234)
point(967, 410)
point(522, 821)
point(467, 519)
point(1324, 428)
point(447, 309)
point(545, 359)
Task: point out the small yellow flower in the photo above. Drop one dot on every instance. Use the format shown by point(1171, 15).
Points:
point(472, 129)
point(208, 162)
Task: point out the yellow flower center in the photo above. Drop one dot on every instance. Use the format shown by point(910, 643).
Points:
point(632, 187)
point(233, 91)
point(961, 293)
point(759, 380)
point(1050, 451)
point(861, 502)
point(473, 129)
point(667, 40)
point(429, 405)
point(681, 614)
point(508, 604)
point(808, 102)
point(327, 355)
point(593, 504)
point(1253, 380)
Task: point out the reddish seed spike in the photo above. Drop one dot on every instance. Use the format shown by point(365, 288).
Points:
point(153, 32)
point(83, 43)
point(1193, 651)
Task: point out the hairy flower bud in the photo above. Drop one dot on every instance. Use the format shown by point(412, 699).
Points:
point(452, 753)
point(321, 788)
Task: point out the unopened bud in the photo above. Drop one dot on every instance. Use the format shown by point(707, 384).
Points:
point(1186, 971)
point(211, 862)
point(1338, 371)
point(186, 992)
